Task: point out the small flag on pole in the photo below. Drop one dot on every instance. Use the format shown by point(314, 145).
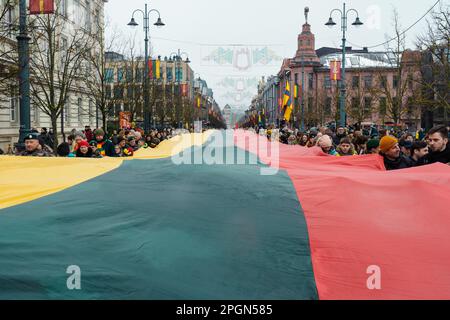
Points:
point(335, 70)
point(42, 7)
point(287, 102)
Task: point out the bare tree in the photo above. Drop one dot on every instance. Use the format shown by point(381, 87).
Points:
point(98, 82)
point(361, 104)
point(57, 52)
point(397, 94)
point(435, 43)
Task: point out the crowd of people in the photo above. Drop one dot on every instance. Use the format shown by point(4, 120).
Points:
point(94, 143)
point(399, 149)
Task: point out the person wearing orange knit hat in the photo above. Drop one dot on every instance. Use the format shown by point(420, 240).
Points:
point(390, 151)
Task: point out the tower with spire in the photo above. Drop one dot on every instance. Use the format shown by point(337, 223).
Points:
point(306, 44)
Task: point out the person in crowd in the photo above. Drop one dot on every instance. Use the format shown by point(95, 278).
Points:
point(64, 148)
point(35, 147)
point(439, 147)
point(118, 151)
point(405, 147)
point(154, 142)
point(326, 144)
point(88, 133)
point(115, 137)
point(409, 137)
point(142, 144)
point(382, 133)
point(105, 145)
point(373, 146)
point(132, 143)
point(303, 140)
point(419, 149)
point(346, 148)
point(127, 151)
point(78, 137)
point(390, 151)
point(46, 137)
point(84, 150)
point(292, 140)
point(95, 152)
point(311, 140)
point(340, 133)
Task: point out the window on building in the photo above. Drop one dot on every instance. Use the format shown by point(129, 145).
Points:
point(129, 75)
point(109, 75)
point(138, 75)
point(383, 105)
point(310, 104)
point(410, 82)
point(179, 74)
point(327, 82)
point(130, 92)
point(395, 82)
point(120, 75)
point(91, 110)
point(63, 51)
point(311, 80)
point(108, 92)
point(355, 82)
point(355, 104)
point(383, 82)
point(66, 110)
point(80, 110)
point(14, 107)
point(395, 104)
point(34, 113)
point(62, 7)
point(10, 17)
point(169, 73)
point(88, 16)
point(118, 92)
point(327, 109)
point(367, 105)
point(410, 106)
point(137, 91)
point(368, 81)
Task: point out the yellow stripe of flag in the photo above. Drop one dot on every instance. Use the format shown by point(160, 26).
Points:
point(41, 6)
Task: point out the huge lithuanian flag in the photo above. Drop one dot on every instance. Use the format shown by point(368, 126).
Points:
point(152, 228)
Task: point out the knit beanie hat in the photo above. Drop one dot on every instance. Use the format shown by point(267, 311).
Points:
point(325, 141)
point(83, 143)
point(387, 142)
point(373, 144)
point(99, 132)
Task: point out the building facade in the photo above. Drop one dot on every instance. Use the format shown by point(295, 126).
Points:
point(176, 98)
point(381, 87)
point(84, 16)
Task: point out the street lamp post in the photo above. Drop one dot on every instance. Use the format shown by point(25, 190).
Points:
point(302, 126)
point(177, 58)
point(344, 19)
point(24, 75)
point(146, 23)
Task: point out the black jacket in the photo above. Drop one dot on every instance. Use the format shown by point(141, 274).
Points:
point(400, 163)
point(434, 157)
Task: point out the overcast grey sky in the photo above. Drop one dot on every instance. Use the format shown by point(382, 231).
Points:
point(199, 27)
